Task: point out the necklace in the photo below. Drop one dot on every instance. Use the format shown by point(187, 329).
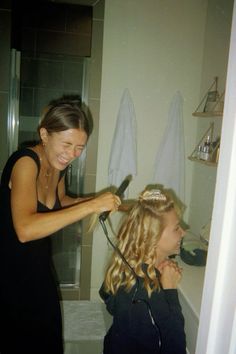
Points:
point(47, 173)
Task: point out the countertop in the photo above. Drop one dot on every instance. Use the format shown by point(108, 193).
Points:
point(191, 285)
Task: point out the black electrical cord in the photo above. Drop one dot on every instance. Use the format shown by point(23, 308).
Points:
point(134, 301)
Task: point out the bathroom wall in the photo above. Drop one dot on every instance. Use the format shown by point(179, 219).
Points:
point(215, 60)
point(154, 48)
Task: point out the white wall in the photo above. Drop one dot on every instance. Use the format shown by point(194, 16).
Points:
point(154, 48)
point(215, 60)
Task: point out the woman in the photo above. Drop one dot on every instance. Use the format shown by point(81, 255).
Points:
point(33, 206)
point(140, 289)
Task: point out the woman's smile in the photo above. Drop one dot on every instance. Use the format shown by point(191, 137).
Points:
point(63, 160)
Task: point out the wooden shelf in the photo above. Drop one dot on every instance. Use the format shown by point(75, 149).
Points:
point(208, 114)
point(204, 162)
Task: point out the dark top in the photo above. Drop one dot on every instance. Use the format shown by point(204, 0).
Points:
point(133, 331)
point(30, 318)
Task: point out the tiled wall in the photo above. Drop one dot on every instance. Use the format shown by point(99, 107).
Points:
point(55, 40)
point(51, 78)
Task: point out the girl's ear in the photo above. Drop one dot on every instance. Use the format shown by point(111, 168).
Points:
point(43, 135)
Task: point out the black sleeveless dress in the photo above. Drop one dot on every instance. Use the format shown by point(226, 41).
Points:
point(30, 315)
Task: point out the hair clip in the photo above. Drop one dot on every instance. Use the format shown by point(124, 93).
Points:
point(153, 194)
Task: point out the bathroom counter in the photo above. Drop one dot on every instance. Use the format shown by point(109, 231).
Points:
point(191, 285)
point(190, 295)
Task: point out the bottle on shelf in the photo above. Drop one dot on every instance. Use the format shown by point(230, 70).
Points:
point(204, 150)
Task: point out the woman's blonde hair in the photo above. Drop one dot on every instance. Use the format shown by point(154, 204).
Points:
point(137, 241)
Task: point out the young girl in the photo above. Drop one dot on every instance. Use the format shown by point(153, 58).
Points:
point(33, 206)
point(140, 290)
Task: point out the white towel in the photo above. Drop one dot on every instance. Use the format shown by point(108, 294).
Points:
point(169, 169)
point(123, 160)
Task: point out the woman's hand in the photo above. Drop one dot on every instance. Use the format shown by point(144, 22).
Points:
point(106, 202)
point(171, 274)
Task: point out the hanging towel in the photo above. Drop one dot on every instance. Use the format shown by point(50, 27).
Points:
point(169, 168)
point(123, 160)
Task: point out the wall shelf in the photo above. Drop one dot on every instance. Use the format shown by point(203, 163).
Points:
point(208, 114)
point(208, 163)
point(206, 157)
point(212, 103)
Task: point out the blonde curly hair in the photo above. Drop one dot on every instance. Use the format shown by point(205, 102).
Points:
point(137, 241)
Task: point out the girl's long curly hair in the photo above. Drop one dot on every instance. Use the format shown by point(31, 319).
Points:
point(137, 240)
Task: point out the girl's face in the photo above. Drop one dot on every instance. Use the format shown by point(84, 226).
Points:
point(63, 147)
point(170, 240)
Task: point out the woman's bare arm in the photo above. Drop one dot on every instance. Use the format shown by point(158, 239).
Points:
point(30, 224)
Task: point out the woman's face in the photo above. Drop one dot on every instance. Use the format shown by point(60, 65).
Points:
point(170, 240)
point(63, 147)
